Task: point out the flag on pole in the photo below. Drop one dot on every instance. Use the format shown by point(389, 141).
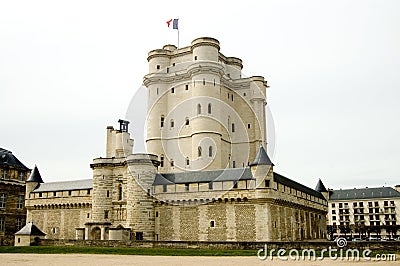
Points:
point(174, 23)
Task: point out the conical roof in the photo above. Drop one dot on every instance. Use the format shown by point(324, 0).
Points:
point(320, 187)
point(31, 230)
point(262, 158)
point(35, 176)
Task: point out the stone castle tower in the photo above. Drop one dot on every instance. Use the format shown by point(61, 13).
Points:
point(206, 175)
point(202, 114)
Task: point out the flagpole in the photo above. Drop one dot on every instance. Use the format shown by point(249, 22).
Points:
point(178, 37)
point(178, 32)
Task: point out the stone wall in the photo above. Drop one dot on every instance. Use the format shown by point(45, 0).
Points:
point(237, 221)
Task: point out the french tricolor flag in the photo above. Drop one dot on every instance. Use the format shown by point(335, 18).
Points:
point(174, 23)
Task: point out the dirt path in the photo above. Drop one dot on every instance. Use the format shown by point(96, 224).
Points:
point(121, 260)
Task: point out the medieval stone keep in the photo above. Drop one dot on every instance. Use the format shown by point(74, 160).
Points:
point(206, 176)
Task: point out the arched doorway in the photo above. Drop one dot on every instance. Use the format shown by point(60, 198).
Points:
point(95, 234)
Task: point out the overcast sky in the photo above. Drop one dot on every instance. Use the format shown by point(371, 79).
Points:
point(68, 69)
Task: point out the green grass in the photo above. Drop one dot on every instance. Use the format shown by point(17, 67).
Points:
point(150, 251)
point(126, 251)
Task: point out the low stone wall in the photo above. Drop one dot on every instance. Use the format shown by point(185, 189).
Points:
point(299, 245)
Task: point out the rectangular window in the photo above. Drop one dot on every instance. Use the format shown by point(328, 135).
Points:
point(333, 211)
point(5, 174)
point(139, 235)
point(19, 223)
point(172, 90)
point(385, 203)
point(186, 87)
point(333, 205)
point(266, 183)
point(105, 214)
point(210, 185)
point(187, 186)
point(20, 201)
point(54, 194)
point(233, 127)
point(233, 164)
point(333, 217)
point(21, 176)
point(108, 193)
point(3, 200)
point(88, 192)
point(69, 192)
point(235, 185)
point(2, 224)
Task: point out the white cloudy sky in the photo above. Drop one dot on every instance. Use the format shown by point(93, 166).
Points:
point(68, 69)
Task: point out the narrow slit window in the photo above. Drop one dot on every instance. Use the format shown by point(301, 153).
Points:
point(199, 151)
point(209, 108)
point(162, 121)
point(199, 109)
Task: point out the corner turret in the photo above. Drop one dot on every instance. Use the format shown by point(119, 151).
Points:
point(33, 181)
point(262, 168)
point(322, 189)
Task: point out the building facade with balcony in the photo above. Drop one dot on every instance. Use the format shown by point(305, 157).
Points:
point(364, 212)
point(13, 174)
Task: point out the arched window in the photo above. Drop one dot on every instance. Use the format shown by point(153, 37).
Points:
point(199, 151)
point(199, 109)
point(162, 160)
point(162, 121)
point(172, 123)
point(210, 151)
point(209, 108)
point(187, 121)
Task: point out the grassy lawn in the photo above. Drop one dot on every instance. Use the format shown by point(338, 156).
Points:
point(150, 251)
point(126, 251)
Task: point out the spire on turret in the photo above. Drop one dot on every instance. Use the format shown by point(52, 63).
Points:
point(320, 187)
point(262, 158)
point(35, 176)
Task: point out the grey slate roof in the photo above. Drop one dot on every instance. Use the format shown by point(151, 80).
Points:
point(229, 174)
point(293, 184)
point(261, 158)
point(363, 193)
point(31, 230)
point(7, 158)
point(35, 176)
point(65, 185)
point(320, 187)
